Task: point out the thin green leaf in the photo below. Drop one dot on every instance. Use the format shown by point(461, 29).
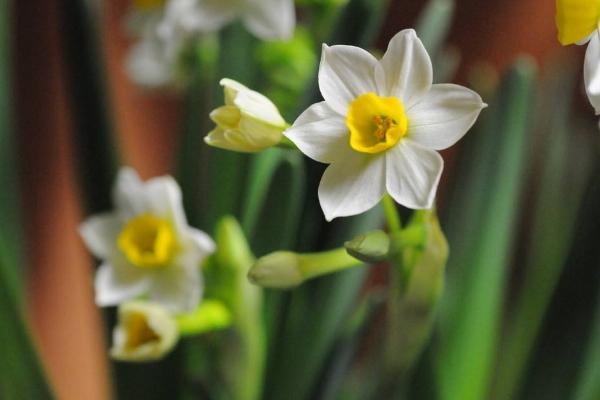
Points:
point(93, 128)
point(471, 316)
point(588, 387)
point(553, 229)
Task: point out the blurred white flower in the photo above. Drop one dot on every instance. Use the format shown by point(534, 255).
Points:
point(147, 246)
point(380, 126)
point(154, 63)
point(248, 122)
point(578, 22)
point(145, 332)
point(266, 19)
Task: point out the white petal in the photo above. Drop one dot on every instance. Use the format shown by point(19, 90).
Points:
point(320, 133)
point(405, 70)
point(345, 73)
point(99, 233)
point(271, 19)
point(163, 198)
point(202, 243)
point(257, 106)
point(413, 174)
point(251, 103)
point(128, 194)
point(149, 64)
point(352, 185)
point(115, 284)
point(591, 71)
point(193, 16)
point(443, 116)
point(178, 287)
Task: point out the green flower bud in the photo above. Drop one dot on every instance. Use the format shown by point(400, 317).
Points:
point(285, 269)
point(279, 270)
point(371, 247)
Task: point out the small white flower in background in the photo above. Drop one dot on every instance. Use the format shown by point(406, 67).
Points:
point(266, 19)
point(153, 60)
point(380, 126)
point(145, 332)
point(164, 28)
point(578, 22)
point(147, 246)
point(154, 63)
point(248, 122)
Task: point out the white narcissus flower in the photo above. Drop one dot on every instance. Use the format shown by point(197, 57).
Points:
point(380, 126)
point(248, 122)
point(578, 22)
point(145, 332)
point(154, 63)
point(147, 246)
point(266, 19)
point(154, 60)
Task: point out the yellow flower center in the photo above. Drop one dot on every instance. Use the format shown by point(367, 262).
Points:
point(576, 19)
point(375, 123)
point(148, 241)
point(147, 5)
point(138, 332)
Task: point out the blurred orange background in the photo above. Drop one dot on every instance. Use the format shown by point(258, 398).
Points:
point(67, 324)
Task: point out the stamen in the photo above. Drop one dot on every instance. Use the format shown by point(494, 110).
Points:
point(383, 124)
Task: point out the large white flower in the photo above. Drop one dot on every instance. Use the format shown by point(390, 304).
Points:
point(146, 245)
point(380, 126)
point(578, 22)
point(267, 19)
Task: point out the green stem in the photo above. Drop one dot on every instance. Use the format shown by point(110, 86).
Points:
point(327, 262)
point(391, 213)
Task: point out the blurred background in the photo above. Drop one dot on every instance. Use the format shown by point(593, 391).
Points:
point(44, 104)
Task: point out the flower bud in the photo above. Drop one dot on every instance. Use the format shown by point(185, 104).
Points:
point(371, 247)
point(145, 332)
point(285, 269)
point(277, 270)
point(248, 122)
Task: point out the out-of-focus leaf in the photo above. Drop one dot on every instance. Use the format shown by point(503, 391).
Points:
point(417, 283)
point(93, 131)
point(21, 375)
point(193, 171)
point(434, 23)
point(272, 206)
point(273, 200)
point(480, 228)
point(308, 336)
point(565, 169)
point(588, 387)
point(227, 169)
point(243, 356)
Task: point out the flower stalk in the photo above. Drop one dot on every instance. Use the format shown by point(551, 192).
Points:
point(285, 269)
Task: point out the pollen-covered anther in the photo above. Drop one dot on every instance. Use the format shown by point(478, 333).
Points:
point(383, 124)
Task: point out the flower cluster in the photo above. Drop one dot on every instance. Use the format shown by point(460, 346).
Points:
point(148, 250)
point(165, 28)
point(379, 127)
